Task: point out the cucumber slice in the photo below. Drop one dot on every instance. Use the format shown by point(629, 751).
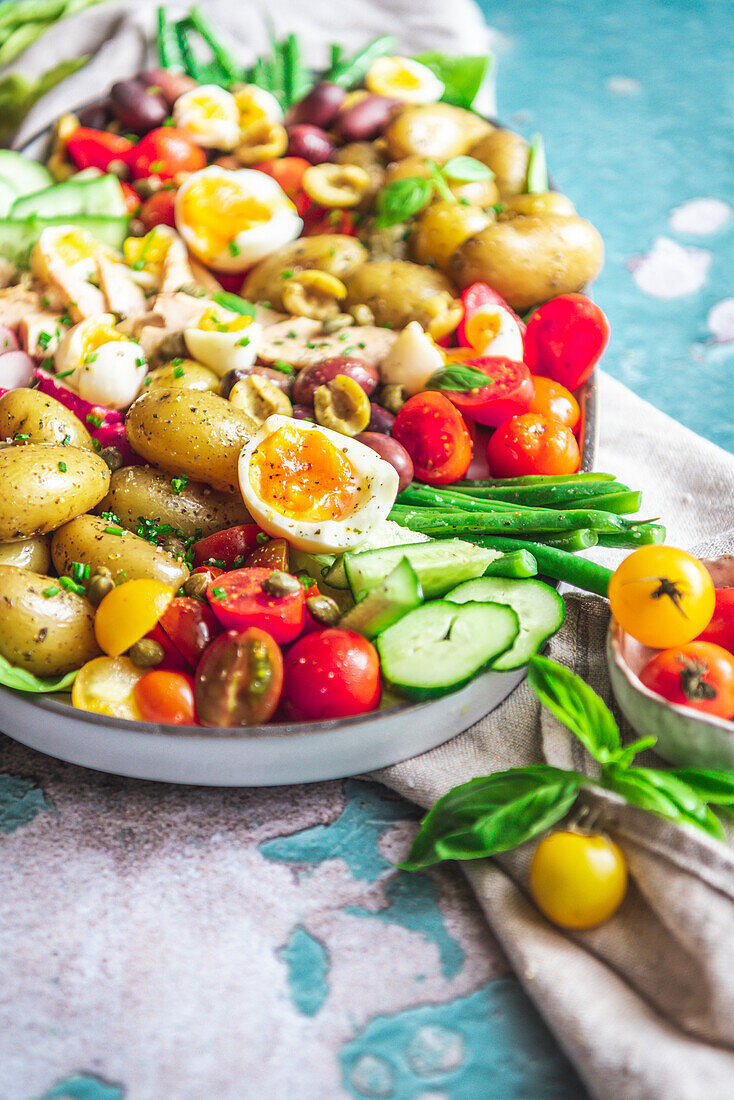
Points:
point(538, 607)
point(7, 197)
point(101, 196)
point(23, 175)
point(398, 594)
point(441, 564)
point(316, 565)
point(388, 533)
point(439, 647)
point(516, 563)
point(18, 236)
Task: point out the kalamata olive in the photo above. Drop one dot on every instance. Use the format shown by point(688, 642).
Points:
point(393, 452)
point(319, 107)
point(381, 420)
point(366, 120)
point(136, 108)
point(239, 679)
point(95, 115)
point(310, 378)
point(302, 412)
point(283, 381)
point(309, 142)
point(171, 85)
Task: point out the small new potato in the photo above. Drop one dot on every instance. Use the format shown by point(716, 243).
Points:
point(43, 486)
point(46, 635)
point(476, 192)
point(507, 154)
point(542, 203)
point(442, 227)
point(184, 374)
point(529, 259)
point(334, 253)
point(197, 434)
point(398, 292)
point(142, 491)
point(33, 554)
point(127, 556)
point(43, 419)
point(434, 130)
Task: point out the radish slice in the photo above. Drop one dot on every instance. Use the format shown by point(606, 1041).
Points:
point(8, 340)
point(16, 369)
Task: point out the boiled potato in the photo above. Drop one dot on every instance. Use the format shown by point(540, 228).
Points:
point(42, 486)
point(506, 153)
point(530, 259)
point(542, 202)
point(434, 130)
point(185, 374)
point(196, 509)
point(46, 635)
point(397, 292)
point(334, 253)
point(476, 192)
point(197, 434)
point(88, 539)
point(442, 227)
point(33, 554)
point(43, 419)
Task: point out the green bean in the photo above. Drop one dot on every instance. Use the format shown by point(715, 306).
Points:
point(21, 38)
point(623, 502)
point(432, 498)
point(336, 51)
point(534, 479)
point(531, 522)
point(544, 495)
point(573, 541)
point(537, 178)
point(557, 564)
point(639, 534)
point(353, 70)
point(300, 80)
point(191, 66)
point(517, 563)
point(229, 65)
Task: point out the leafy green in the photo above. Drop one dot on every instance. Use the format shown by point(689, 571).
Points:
point(348, 71)
point(537, 178)
point(713, 786)
point(402, 199)
point(20, 680)
point(462, 77)
point(576, 705)
point(466, 170)
point(457, 378)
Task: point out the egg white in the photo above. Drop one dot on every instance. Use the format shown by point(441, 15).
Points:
point(255, 103)
point(249, 245)
point(507, 340)
point(377, 483)
point(384, 78)
point(411, 360)
point(224, 351)
point(110, 374)
point(210, 116)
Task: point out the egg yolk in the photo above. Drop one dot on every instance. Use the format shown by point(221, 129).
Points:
point(147, 252)
point(303, 476)
point(73, 247)
point(205, 107)
point(98, 334)
point(218, 210)
point(211, 322)
point(405, 79)
point(249, 109)
point(481, 328)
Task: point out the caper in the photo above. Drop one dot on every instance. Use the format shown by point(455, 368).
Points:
point(98, 586)
point(280, 584)
point(323, 609)
point(137, 228)
point(113, 457)
point(336, 324)
point(146, 653)
point(119, 168)
point(362, 314)
point(393, 397)
point(196, 585)
point(147, 187)
point(174, 546)
point(172, 346)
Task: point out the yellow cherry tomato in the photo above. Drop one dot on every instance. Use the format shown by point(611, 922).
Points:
point(663, 597)
point(578, 880)
point(105, 686)
point(128, 612)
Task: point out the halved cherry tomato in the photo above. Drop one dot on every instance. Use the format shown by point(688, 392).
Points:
point(331, 673)
point(191, 626)
point(239, 600)
point(435, 436)
point(270, 555)
point(225, 548)
point(106, 685)
point(174, 660)
point(566, 338)
point(553, 400)
point(473, 299)
point(532, 444)
point(166, 697)
point(239, 679)
point(208, 571)
point(131, 197)
point(128, 612)
point(662, 596)
point(318, 219)
point(288, 172)
point(97, 148)
point(699, 675)
point(159, 210)
point(164, 153)
point(509, 392)
point(721, 628)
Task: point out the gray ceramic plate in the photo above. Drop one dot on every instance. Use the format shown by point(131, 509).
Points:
point(266, 755)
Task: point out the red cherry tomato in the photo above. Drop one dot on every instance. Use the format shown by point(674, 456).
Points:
point(331, 673)
point(191, 625)
point(473, 299)
point(227, 549)
point(317, 219)
point(509, 392)
point(287, 171)
point(131, 197)
point(699, 675)
point(721, 628)
point(96, 148)
point(532, 444)
point(174, 660)
point(238, 600)
point(209, 571)
point(164, 153)
point(566, 338)
point(159, 210)
point(553, 400)
point(435, 436)
point(166, 697)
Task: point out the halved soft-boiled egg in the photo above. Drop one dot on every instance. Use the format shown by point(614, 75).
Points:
point(256, 105)
point(209, 115)
point(146, 255)
point(403, 78)
point(230, 220)
point(223, 342)
point(65, 257)
point(492, 330)
point(108, 368)
point(322, 491)
point(412, 359)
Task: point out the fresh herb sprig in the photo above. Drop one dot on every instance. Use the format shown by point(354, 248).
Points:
point(497, 812)
point(458, 378)
point(404, 198)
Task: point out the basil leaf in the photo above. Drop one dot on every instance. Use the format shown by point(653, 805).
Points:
point(466, 170)
point(663, 794)
point(462, 76)
point(402, 199)
point(711, 786)
point(20, 680)
point(537, 178)
point(576, 705)
point(629, 752)
point(458, 378)
point(440, 183)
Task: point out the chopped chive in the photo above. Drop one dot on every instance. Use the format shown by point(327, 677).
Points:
point(65, 373)
point(61, 467)
point(178, 372)
point(218, 593)
point(20, 437)
point(113, 530)
point(52, 591)
point(72, 586)
point(179, 483)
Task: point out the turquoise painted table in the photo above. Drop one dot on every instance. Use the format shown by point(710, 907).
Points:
point(145, 963)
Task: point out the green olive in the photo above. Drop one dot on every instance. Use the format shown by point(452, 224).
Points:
point(342, 405)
